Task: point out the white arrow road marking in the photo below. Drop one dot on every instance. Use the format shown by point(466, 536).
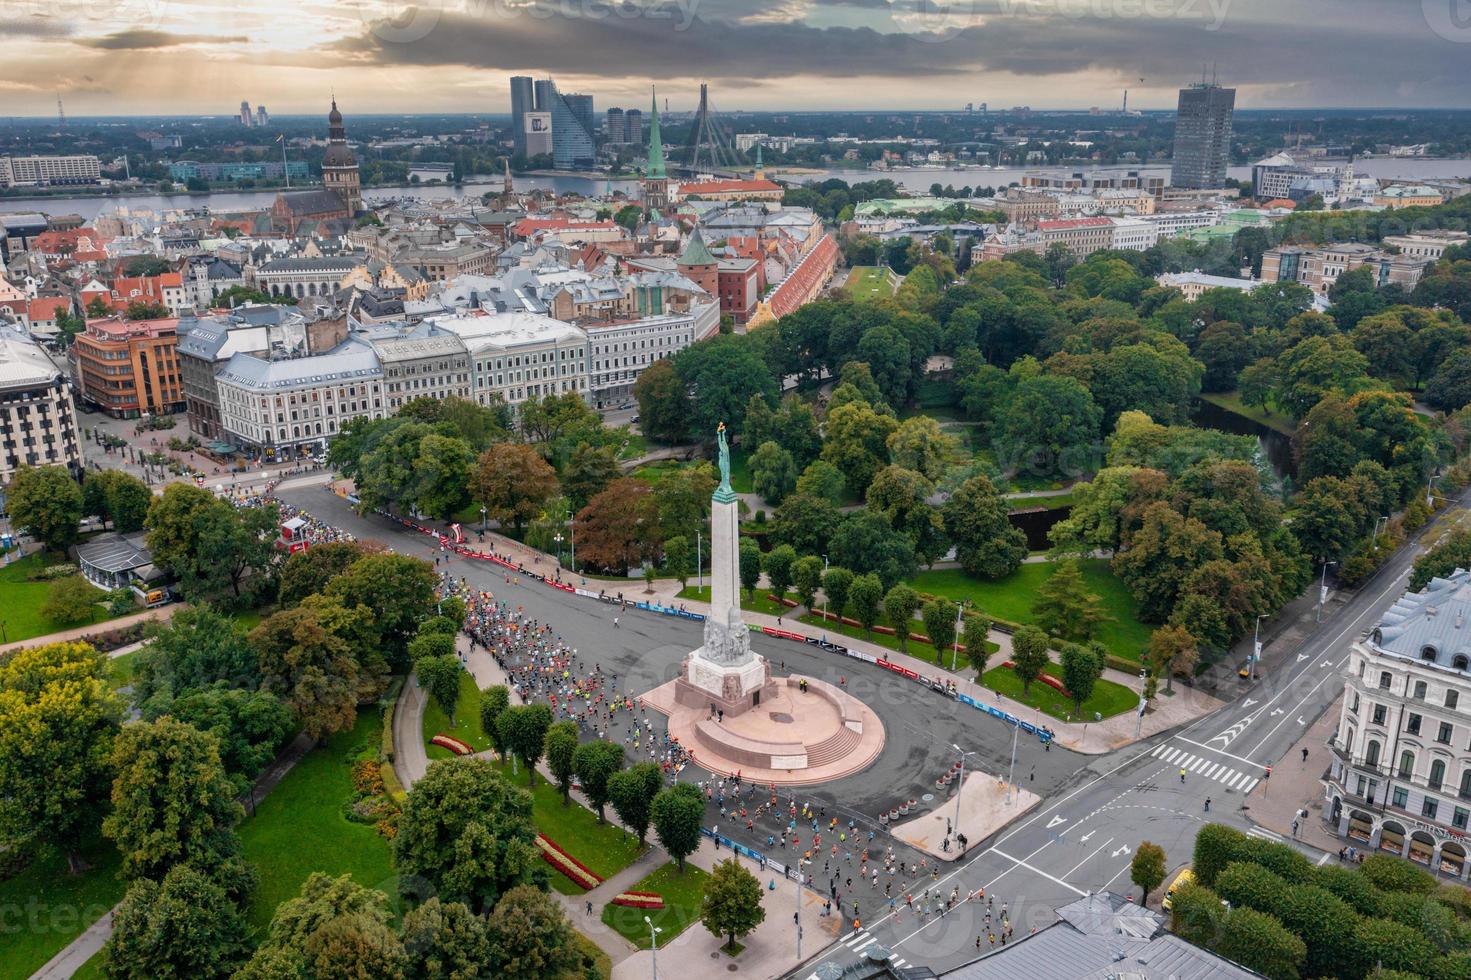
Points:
point(1248, 702)
point(1300, 721)
point(1122, 850)
point(1326, 663)
point(1276, 712)
point(1055, 821)
point(1301, 657)
point(1084, 838)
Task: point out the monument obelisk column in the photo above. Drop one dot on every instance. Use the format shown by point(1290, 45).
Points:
point(725, 539)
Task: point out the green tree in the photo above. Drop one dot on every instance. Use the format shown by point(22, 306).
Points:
point(807, 577)
point(1325, 923)
point(1147, 868)
point(866, 596)
point(181, 928)
point(595, 763)
point(939, 617)
point(676, 813)
point(58, 719)
point(632, 792)
point(334, 927)
point(824, 480)
point(400, 592)
point(723, 372)
point(529, 936)
point(445, 941)
point(1029, 655)
point(663, 402)
point(1049, 426)
point(308, 572)
point(250, 725)
point(1247, 884)
point(1081, 669)
point(974, 632)
point(71, 601)
point(172, 803)
point(1260, 942)
point(778, 564)
point(523, 731)
point(679, 559)
point(900, 604)
point(806, 523)
point(46, 502)
point(731, 906)
point(1391, 874)
point(588, 472)
point(144, 310)
point(310, 668)
point(919, 444)
point(836, 585)
point(902, 497)
point(561, 746)
point(1172, 650)
point(1065, 607)
point(211, 545)
point(119, 498)
point(773, 472)
point(494, 701)
point(514, 483)
point(466, 830)
point(1216, 846)
point(857, 443)
point(986, 543)
point(196, 648)
point(866, 542)
point(750, 553)
point(1196, 915)
point(440, 676)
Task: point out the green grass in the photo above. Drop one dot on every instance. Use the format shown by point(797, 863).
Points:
point(250, 618)
point(1051, 503)
point(48, 907)
point(1011, 599)
point(1231, 402)
point(299, 828)
point(1028, 483)
point(467, 716)
point(759, 602)
point(1108, 698)
point(682, 894)
point(920, 651)
point(120, 669)
point(602, 963)
point(21, 601)
point(656, 472)
point(868, 282)
point(603, 848)
point(632, 446)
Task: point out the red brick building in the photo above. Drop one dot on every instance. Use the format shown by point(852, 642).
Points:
point(127, 367)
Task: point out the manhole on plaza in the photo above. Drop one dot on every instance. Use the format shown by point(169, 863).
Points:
point(781, 717)
point(928, 797)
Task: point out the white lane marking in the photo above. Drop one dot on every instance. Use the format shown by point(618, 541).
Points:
point(1202, 745)
point(1087, 859)
point(1246, 786)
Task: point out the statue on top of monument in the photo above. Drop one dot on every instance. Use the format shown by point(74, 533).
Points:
point(724, 458)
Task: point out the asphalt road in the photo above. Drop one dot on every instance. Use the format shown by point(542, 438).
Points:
point(1096, 809)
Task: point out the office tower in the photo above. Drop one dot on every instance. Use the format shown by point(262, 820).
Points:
point(262, 118)
point(616, 127)
point(581, 106)
point(245, 117)
point(1202, 136)
point(633, 127)
point(523, 100)
point(572, 141)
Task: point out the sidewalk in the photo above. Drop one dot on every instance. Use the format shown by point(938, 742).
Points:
point(161, 613)
point(1275, 803)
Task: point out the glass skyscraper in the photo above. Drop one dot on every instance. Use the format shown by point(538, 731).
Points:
point(1202, 136)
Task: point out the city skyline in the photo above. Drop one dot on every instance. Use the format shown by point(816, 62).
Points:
point(202, 57)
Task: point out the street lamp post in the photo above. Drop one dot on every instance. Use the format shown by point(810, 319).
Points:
point(483, 513)
point(1323, 589)
point(699, 564)
point(654, 945)
point(572, 539)
point(797, 912)
point(1385, 519)
point(1139, 715)
point(1016, 731)
point(961, 788)
point(824, 598)
point(1256, 647)
point(558, 538)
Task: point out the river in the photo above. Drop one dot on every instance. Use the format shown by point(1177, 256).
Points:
point(918, 180)
point(1275, 447)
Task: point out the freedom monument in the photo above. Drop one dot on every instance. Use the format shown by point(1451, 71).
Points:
point(728, 710)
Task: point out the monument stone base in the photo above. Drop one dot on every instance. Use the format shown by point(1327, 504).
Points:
point(732, 690)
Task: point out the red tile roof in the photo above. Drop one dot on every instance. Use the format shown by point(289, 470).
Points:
point(726, 187)
point(802, 285)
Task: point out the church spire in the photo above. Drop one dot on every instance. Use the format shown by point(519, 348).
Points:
point(655, 169)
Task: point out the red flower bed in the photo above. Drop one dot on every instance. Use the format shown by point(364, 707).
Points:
point(1045, 678)
point(639, 900)
point(574, 869)
point(453, 744)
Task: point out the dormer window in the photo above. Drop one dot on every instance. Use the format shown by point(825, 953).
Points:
point(1427, 652)
point(1460, 662)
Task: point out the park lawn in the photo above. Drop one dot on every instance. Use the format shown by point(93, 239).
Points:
point(633, 445)
point(656, 472)
point(1067, 499)
point(602, 963)
point(120, 669)
point(467, 718)
point(868, 282)
point(1011, 599)
point(300, 828)
point(249, 619)
point(603, 848)
point(683, 895)
point(1108, 698)
point(916, 649)
point(1231, 402)
point(759, 602)
point(52, 907)
point(21, 600)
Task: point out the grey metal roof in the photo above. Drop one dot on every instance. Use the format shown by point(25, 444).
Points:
point(352, 360)
point(1432, 625)
point(114, 553)
point(23, 364)
point(325, 264)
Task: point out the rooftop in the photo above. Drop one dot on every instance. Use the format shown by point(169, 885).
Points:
point(23, 364)
point(1432, 625)
point(352, 360)
point(513, 329)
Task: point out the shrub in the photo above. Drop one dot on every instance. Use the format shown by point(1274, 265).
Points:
point(1350, 886)
point(1217, 846)
point(366, 779)
point(1244, 883)
point(1392, 874)
point(1379, 942)
point(1426, 916)
point(1325, 923)
point(1284, 861)
point(1196, 914)
point(1260, 942)
point(1452, 966)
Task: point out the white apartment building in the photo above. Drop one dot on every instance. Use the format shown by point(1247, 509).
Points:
point(38, 422)
point(1134, 234)
point(516, 356)
point(38, 171)
point(1426, 244)
point(1193, 284)
point(1172, 224)
point(302, 277)
point(1399, 780)
point(417, 362)
point(294, 406)
point(621, 350)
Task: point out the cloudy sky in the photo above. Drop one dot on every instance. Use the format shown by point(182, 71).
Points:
point(204, 56)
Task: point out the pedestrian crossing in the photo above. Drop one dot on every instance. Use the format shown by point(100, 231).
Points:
point(1200, 766)
point(859, 942)
point(1266, 834)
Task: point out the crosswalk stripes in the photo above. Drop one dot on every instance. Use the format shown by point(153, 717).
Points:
point(1265, 834)
point(857, 942)
point(1219, 772)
